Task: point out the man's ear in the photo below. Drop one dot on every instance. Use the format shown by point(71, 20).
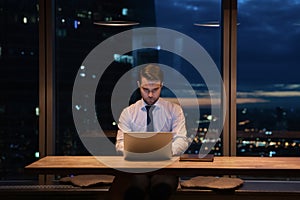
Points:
point(138, 83)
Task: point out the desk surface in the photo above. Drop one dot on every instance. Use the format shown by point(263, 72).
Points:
point(258, 166)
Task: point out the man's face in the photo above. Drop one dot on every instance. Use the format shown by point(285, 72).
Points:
point(150, 90)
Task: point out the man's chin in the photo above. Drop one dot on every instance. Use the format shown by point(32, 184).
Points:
point(151, 102)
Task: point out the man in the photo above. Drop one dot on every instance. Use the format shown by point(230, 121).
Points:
point(167, 117)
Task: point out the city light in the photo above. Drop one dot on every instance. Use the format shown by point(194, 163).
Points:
point(76, 24)
point(82, 74)
point(37, 111)
point(37, 154)
point(25, 20)
point(125, 11)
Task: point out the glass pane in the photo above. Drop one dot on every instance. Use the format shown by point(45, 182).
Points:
point(82, 25)
point(268, 87)
point(19, 88)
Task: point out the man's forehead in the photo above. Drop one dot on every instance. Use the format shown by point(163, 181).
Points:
point(150, 83)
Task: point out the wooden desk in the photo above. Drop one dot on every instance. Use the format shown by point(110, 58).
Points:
point(256, 166)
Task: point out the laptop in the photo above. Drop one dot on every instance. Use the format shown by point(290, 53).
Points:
point(148, 146)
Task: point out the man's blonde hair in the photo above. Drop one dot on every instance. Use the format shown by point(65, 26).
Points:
point(152, 72)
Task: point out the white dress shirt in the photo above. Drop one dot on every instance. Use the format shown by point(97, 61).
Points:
point(167, 117)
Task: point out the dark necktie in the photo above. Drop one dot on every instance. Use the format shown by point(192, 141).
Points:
point(150, 127)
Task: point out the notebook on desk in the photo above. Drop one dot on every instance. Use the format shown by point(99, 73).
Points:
point(148, 146)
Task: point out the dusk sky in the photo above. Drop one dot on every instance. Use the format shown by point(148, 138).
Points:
point(268, 51)
point(268, 42)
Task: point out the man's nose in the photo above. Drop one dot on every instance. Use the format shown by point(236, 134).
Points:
point(150, 94)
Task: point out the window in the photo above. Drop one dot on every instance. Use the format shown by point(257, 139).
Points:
point(268, 84)
point(19, 109)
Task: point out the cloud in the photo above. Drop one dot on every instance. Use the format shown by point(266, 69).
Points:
point(288, 86)
point(250, 100)
point(269, 94)
point(207, 102)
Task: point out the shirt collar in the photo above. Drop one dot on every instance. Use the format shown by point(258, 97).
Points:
point(157, 104)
